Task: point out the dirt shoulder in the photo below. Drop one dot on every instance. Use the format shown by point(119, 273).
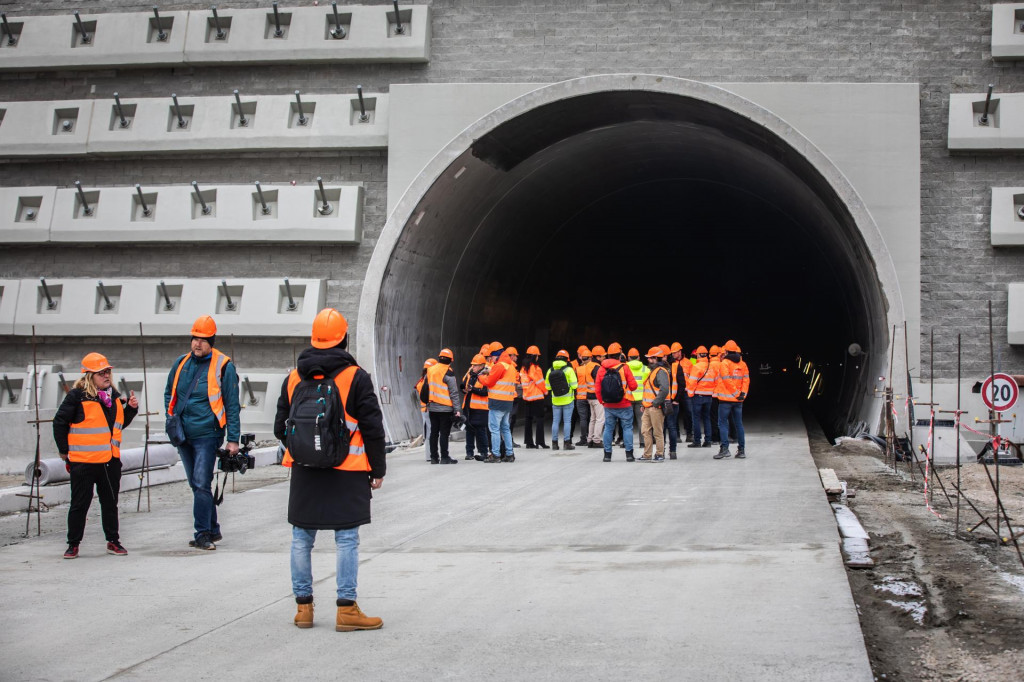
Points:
point(935, 606)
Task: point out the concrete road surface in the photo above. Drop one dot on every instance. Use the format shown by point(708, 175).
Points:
point(555, 567)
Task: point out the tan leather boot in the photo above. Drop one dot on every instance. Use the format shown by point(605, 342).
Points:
point(352, 618)
point(304, 617)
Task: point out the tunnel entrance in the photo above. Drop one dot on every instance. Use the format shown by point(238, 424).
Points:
point(640, 216)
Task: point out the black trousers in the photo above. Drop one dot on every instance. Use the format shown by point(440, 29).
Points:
point(477, 432)
point(716, 437)
point(534, 411)
point(687, 412)
point(105, 479)
point(440, 430)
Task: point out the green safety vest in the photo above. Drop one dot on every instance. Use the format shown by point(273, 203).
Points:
point(640, 372)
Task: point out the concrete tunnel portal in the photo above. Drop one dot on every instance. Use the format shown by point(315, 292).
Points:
point(638, 216)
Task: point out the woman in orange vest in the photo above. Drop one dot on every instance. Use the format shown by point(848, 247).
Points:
point(474, 407)
point(87, 430)
point(430, 362)
point(531, 376)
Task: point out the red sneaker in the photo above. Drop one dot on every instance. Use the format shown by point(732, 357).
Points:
point(114, 548)
point(71, 552)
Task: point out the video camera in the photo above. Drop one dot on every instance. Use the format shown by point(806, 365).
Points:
point(241, 461)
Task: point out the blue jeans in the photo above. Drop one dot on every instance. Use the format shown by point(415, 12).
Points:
point(672, 426)
point(701, 417)
point(199, 457)
point(734, 411)
point(499, 416)
point(622, 415)
point(347, 543)
point(563, 414)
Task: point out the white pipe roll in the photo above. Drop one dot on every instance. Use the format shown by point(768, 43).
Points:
point(52, 469)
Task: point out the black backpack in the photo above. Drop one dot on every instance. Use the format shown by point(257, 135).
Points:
point(316, 433)
point(559, 384)
point(611, 387)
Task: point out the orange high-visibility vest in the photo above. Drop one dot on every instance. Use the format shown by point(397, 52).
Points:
point(673, 389)
point(217, 364)
point(650, 390)
point(705, 376)
point(505, 388)
point(533, 384)
point(587, 381)
point(357, 459)
point(581, 387)
point(419, 386)
point(476, 402)
point(92, 440)
point(438, 388)
point(733, 379)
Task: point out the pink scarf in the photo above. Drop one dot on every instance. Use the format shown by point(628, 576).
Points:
point(105, 397)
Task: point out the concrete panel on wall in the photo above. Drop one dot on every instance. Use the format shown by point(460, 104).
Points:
point(132, 40)
point(45, 128)
point(1006, 221)
point(25, 214)
point(234, 213)
point(1015, 313)
point(9, 289)
point(971, 129)
point(1008, 31)
point(246, 307)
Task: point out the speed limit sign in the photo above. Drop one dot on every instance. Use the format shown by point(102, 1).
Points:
point(999, 392)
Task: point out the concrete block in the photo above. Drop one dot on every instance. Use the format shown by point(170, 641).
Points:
point(250, 35)
point(124, 40)
point(1007, 33)
point(1015, 313)
point(248, 307)
point(1005, 219)
point(45, 128)
point(1005, 128)
point(25, 214)
point(260, 407)
point(8, 304)
point(235, 214)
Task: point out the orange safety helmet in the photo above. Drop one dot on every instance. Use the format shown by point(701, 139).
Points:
point(533, 350)
point(494, 346)
point(479, 359)
point(430, 362)
point(95, 362)
point(446, 353)
point(634, 354)
point(511, 350)
point(731, 347)
point(655, 352)
point(676, 346)
point(615, 348)
point(583, 352)
point(562, 354)
point(598, 350)
point(485, 349)
point(700, 349)
point(715, 351)
point(329, 329)
point(204, 327)
point(664, 350)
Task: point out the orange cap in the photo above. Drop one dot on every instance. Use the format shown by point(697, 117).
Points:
point(95, 362)
point(446, 353)
point(204, 327)
point(633, 353)
point(614, 348)
point(533, 350)
point(583, 351)
point(430, 362)
point(664, 350)
point(562, 354)
point(655, 352)
point(329, 329)
point(700, 349)
point(479, 359)
point(598, 350)
point(511, 350)
point(731, 347)
point(676, 346)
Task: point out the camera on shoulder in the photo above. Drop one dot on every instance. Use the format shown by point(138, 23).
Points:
point(241, 461)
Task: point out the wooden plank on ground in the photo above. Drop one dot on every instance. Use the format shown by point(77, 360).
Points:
point(830, 482)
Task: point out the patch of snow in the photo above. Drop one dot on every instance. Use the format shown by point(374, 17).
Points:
point(1015, 580)
point(916, 609)
point(900, 588)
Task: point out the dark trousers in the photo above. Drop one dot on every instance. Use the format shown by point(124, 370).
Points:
point(440, 429)
point(106, 480)
point(638, 413)
point(672, 424)
point(715, 436)
point(701, 418)
point(583, 414)
point(687, 412)
point(477, 432)
point(534, 412)
point(574, 421)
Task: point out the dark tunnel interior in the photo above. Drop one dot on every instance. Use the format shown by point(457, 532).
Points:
point(636, 217)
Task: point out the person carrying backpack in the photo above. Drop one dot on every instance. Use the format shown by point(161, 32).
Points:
point(335, 449)
point(444, 404)
point(613, 385)
point(561, 381)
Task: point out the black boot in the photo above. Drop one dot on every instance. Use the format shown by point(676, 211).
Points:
point(568, 445)
point(741, 454)
point(629, 456)
point(723, 453)
point(554, 445)
point(607, 456)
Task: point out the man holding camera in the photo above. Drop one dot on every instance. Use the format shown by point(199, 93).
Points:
point(201, 403)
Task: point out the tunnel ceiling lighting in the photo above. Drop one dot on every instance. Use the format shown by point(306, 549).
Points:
point(461, 171)
point(419, 217)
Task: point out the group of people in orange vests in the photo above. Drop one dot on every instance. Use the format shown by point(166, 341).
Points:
point(607, 392)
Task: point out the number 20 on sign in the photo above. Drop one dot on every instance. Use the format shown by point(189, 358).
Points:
point(1000, 392)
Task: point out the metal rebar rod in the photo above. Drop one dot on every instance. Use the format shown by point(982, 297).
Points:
point(63, 383)
point(146, 211)
point(227, 295)
point(325, 208)
point(168, 303)
point(199, 197)
point(12, 40)
point(81, 28)
point(120, 111)
point(292, 305)
point(958, 495)
point(81, 197)
point(50, 303)
point(161, 33)
point(11, 397)
point(363, 118)
point(338, 31)
point(221, 33)
point(931, 409)
point(399, 29)
point(278, 33)
point(988, 101)
point(177, 111)
point(107, 303)
point(991, 415)
point(242, 120)
point(248, 388)
point(298, 104)
point(263, 203)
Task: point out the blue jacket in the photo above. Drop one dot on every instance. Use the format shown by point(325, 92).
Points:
point(197, 417)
